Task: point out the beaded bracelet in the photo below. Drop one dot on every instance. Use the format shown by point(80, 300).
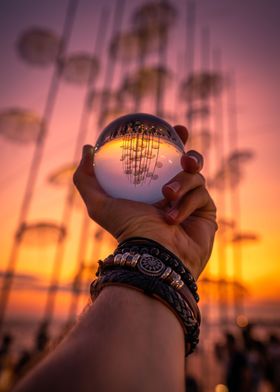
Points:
point(143, 245)
point(151, 266)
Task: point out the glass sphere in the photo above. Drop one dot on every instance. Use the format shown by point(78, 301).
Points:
point(135, 155)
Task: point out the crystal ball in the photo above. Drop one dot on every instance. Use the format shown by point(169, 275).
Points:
point(135, 155)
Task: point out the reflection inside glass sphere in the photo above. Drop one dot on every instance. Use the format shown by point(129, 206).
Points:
point(136, 155)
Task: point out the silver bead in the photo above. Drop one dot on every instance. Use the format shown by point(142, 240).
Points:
point(135, 259)
point(117, 259)
point(166, 273)
point(124, 257)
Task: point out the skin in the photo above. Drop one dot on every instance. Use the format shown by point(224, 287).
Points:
point(128, 341)
point(186, 228)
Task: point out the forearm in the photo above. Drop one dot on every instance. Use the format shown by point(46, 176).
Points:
point(126, 341)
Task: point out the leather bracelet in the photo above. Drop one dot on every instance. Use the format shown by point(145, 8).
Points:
point(158, 289)
point(151, 266)
point(145, 245)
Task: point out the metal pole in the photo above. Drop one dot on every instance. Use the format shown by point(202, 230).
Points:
point(190, 48)
point(205, 67)
point(67, 210)
point(83, 243)
point(220, 162)
point(70, 195)
point(110, 66)
point(162, 60)
point(37, 157)
point(235, 191)
point(84, 238)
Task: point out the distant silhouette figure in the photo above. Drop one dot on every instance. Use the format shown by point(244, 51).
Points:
point(21, 363)
point(42, 337)
point(238, 372)
point(191, 384)
point(5, 349)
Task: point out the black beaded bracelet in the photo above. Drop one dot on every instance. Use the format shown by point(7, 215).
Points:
point(145, 245)
point(153, 287)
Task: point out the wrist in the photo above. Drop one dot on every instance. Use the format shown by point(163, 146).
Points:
point(148, 245)
point(145, 265)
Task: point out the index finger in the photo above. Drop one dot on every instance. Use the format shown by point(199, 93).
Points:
point(182, 132)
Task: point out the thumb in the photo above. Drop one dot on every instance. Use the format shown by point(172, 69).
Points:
point(86, 182)
point(86, 164)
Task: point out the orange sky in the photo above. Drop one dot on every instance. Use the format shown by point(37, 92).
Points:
point(247, 37)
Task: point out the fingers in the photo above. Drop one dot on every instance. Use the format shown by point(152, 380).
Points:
point(85, 180)
point(196, 202)
point(181, 184)
point(86, 164)
point(192, 162)
point(182, 132)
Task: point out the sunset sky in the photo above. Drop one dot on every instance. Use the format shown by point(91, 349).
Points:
point(246, 33)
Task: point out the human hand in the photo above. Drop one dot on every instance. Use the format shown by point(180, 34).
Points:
point(187, 228)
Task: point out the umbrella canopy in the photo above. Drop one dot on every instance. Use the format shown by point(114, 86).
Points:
point(38, 46)
point(232, 170)
point(245, 237)
point(145, 81)
point(19, 125)
point(96, 98)
point(201, 85)
point(155, 15)
point(198, 112)
point(40, 233)
point(126, 45)
point(63, 176)
point(79, 67)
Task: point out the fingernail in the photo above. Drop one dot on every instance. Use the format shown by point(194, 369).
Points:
point(173, 213)
point(87, 150)
point(174, 186)
point(194, 158)
point(84, 151)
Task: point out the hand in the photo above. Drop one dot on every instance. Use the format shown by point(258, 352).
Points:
point(187, 228)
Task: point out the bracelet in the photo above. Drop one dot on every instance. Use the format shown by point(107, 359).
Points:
point(160, 290)
point(150, 266)
point(143, 245)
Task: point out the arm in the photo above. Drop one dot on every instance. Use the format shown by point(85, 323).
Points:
point(128, 341)
point(116, 346)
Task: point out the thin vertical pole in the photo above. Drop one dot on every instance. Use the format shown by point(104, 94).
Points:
point(70, 194)
point(111, 64)
point(205, 67)
point(37, 157)
point(50, 303)
point(205, 127)
point(190, 48)
point(162, 61)
point(83, 243)
point(220, 162)
point(235, 192)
